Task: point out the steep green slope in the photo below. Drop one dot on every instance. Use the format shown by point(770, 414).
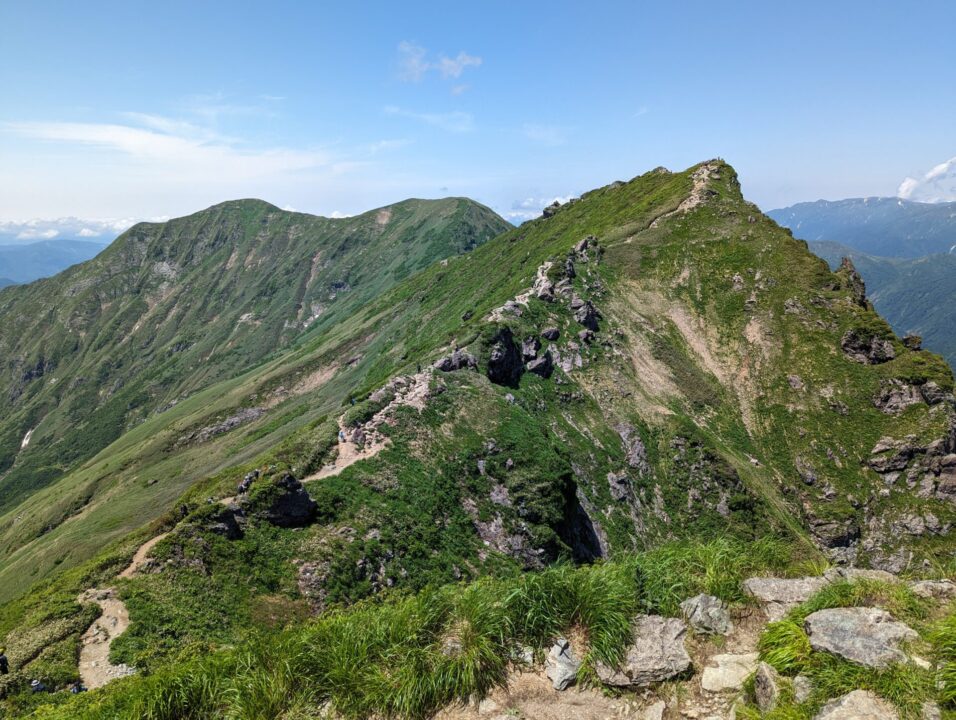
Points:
point(653, 362)
point(917, 296)
point(889, 227)
point(170, 308)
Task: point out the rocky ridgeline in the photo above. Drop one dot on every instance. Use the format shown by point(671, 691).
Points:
point(676, 649)
point(507, 357)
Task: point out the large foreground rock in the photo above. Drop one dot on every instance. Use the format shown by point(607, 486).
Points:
point(656, 654)
point(707, 614)
point(728, 671)
point(561, 666)
point(866, 636)
point(857, 705)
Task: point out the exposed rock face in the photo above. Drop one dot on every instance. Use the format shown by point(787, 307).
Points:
point(458, 360)
point(895, 396)
point(707, 614)
point(288, 504)
point(766, 687)
point(929, 470)
point(657, 654)
point(529, 348)
point(228, 523)
point(857, 705)
point(542, 366)
point(230, 423)
point(853, 281)
point(585, 313)
point(504, 359)
point(728, 672)
point(561, 666)
point(551, 333)
point(866, 348)
point(634, 449)
point(866, 636)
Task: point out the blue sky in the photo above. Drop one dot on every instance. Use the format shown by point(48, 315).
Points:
point(114, 111)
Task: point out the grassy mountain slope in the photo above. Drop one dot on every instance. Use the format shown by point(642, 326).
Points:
point(170, 308)
point(888, 227)
point(720, 391)
point(917, 296)
point(26, 263)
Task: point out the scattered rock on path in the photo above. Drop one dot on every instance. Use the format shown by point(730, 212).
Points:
point(729, 672)
point(654, 711)
point(707, 614)
point(857, 705)
point(656, 654)
point(789, 591)
point(561, 666)
point(866, 636)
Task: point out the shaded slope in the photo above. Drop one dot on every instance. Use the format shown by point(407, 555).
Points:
point(169, 308)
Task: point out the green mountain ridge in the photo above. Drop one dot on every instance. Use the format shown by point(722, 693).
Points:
point(170, 308)
point(654, 362)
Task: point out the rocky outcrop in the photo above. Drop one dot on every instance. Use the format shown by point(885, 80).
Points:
point(934, 589)
point(542, 366)
point(246, 415)
point(895, 396)
point(504, 365)
point(929, 470)
point(585, 313)
point(867, 348)
point(707, 614)
point(458, 360)
point(635, 453)
point(853, 282)
point(863, 635)
point(284, 503)
point(657, 654)
point(857, 705)
point(551, 333)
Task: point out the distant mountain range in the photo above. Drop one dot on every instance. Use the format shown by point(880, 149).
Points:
point(26, 263)
point(887, 227)
point(905, 252)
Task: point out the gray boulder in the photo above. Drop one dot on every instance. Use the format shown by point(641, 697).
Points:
point(934, 589)
point(766, 687)
point(561, 666)
point(707, 614)
point(802, 688)
point(657, 654)
point(866, 636)
point(788, 591)
point(529, 348)
point(857, 705)
point(551, 333)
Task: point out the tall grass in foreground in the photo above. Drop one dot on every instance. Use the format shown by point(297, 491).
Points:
point(409, 656)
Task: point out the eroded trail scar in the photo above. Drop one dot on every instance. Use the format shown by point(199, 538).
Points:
point(95, 667)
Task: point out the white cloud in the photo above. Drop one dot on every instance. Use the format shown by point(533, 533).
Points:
point(336, 215)
point(938, 185)
point(414, 65)
point(550, 135)
point(33, 234)
point(67, 227)
point(453, 67)
point(455, 122)
point(531, 207)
